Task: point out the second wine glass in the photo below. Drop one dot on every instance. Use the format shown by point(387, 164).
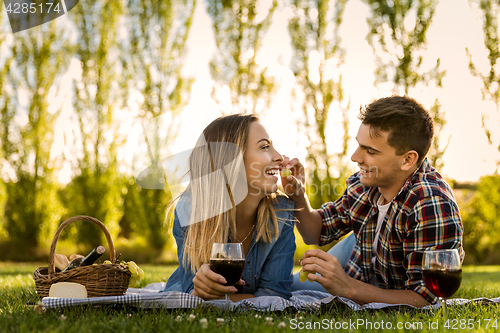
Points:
point(442, 270)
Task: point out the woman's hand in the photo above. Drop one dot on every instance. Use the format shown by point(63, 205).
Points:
point(294, 185)
point(210, 285)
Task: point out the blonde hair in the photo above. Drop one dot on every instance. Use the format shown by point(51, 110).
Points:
point(218, 154)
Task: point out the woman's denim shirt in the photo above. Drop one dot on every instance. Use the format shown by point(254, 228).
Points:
point(269, 266)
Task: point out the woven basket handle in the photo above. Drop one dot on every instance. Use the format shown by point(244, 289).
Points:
point(69, 221)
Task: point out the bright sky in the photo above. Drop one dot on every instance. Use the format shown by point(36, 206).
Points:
point(456, 26)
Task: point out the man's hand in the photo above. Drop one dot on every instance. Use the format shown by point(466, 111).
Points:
point(210, 285)
point(294, 185)
point(309, 221)
point(331, 274)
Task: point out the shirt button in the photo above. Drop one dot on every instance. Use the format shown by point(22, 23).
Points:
point(248, 262)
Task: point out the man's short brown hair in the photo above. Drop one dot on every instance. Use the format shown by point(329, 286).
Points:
point(410, 126)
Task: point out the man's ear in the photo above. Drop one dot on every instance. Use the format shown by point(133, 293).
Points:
point(409, 160)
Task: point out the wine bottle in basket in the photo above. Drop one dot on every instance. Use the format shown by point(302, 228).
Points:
point(86, 261)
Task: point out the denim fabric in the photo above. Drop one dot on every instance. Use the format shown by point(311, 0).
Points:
point(269, 266)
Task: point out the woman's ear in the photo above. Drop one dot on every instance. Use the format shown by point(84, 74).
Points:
point(409, 160)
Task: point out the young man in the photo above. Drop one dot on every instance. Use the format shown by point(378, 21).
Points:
point(397, 206)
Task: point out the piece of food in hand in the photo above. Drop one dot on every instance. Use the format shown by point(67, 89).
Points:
point(68, 290)
point(285, 173)
point(61, 261)
point(73, 256)
point(303, 276)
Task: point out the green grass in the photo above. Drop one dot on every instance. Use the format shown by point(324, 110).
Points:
point(17, 314)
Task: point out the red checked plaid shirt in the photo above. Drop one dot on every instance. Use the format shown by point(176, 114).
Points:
point(424, 215)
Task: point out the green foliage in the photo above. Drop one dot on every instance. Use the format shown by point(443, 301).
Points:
point(157, 51)
point(482, 223)
point(398, 54)
point(31, 215)
point(490, 9)
point(398, 34)
point(480, 217)
point(39, 56)
point(239, 31)
point(6, 115)
point(435, 154)
point(310, 29)
point(93, 189)
point(145, 57)
point(144, 214)
point(159, 31)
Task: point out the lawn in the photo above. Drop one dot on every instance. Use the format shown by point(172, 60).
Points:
point(17, 314)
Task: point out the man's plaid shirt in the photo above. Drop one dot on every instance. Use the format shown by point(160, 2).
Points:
point(424, 215)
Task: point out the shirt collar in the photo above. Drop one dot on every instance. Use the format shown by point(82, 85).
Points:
point(425, 167)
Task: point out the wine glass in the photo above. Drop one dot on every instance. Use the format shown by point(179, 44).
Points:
point(442, 273)
point(228, 260)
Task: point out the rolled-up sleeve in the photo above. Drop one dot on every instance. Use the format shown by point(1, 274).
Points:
point(336, 216)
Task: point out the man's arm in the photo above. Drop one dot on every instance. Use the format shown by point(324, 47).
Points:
point(309, 220)
point(363, 293)
point(333, 278)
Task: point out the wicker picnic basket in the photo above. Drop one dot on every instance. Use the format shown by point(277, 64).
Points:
point(100, 280)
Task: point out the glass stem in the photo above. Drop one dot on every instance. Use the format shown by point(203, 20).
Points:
point(445, 308)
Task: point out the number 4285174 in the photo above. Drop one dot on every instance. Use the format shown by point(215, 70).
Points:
point(471, 324)
point(32, 8)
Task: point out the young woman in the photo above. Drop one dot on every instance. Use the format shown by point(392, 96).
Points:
point(233, 197)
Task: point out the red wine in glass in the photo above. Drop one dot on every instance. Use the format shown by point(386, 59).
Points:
point(442, 282)
point(230, 269)
point(442, 272)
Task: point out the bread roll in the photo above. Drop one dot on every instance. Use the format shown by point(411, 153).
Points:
point(61, 261)
point(73, 256)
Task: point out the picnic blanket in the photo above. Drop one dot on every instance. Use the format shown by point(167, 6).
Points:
point(303, 300)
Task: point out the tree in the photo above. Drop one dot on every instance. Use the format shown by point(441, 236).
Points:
point(398, 34)
point(6, 117)
point(314, 30)
point(157, 50)
point(39, 57)
point(481, 222)
point(491, 80)
point(94, 188)
point(239, 28)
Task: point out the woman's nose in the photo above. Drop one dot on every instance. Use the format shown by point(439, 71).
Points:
point(277, 156)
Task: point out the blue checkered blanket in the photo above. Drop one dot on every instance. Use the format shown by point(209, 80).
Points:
point(303, 300)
